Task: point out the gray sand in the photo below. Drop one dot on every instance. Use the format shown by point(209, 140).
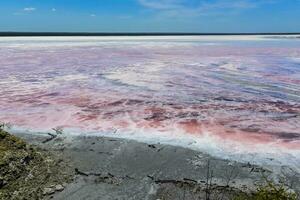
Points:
point(109, 168)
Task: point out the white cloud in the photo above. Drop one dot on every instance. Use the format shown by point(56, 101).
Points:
point(201, 7)
point(53, 9)
point(29, 9)
point(92, 15)
point(161, 4)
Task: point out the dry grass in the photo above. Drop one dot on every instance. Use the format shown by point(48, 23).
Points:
point(26, 171)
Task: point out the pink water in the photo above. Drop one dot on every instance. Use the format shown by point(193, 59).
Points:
point(231, 95)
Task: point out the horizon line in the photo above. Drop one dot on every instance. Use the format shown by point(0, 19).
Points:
point(60, 33)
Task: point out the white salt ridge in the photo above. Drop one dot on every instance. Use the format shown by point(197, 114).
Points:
point(262, 155)
point(46, 42)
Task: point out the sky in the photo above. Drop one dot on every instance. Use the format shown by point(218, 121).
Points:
point(203, 16)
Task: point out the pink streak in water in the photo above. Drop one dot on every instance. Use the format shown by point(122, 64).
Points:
point(241, 94)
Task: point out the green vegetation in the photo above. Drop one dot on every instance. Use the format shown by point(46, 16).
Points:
point(270, 191)
point(26, 172)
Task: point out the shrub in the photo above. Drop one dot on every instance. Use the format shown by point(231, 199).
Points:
point(270, 191)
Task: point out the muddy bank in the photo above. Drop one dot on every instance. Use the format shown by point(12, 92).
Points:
point(109, 168)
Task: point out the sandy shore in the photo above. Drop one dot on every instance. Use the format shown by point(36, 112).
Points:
point(109, 168)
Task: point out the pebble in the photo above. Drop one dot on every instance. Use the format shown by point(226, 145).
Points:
point(59, 188)
point(53, 189)
point(48, 191)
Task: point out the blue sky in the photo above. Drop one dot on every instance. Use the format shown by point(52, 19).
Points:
point(150, 15)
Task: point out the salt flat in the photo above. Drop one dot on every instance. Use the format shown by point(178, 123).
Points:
point(234, 97)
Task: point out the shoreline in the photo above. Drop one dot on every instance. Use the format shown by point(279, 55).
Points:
point(113, 168)
point(273, 159)
point(164, 38)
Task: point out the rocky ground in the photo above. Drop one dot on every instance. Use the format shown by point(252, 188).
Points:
point(27, 172)
point(110, 169)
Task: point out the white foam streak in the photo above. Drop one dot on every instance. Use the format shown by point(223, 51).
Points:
point(272, 158)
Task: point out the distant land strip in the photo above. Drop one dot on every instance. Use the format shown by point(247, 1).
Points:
point(20, 34)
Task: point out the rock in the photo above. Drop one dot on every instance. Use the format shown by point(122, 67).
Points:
point(59, 188)
point(152, 146)
point(48, 191)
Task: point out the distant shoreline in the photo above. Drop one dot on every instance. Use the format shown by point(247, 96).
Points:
point(33, 34)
